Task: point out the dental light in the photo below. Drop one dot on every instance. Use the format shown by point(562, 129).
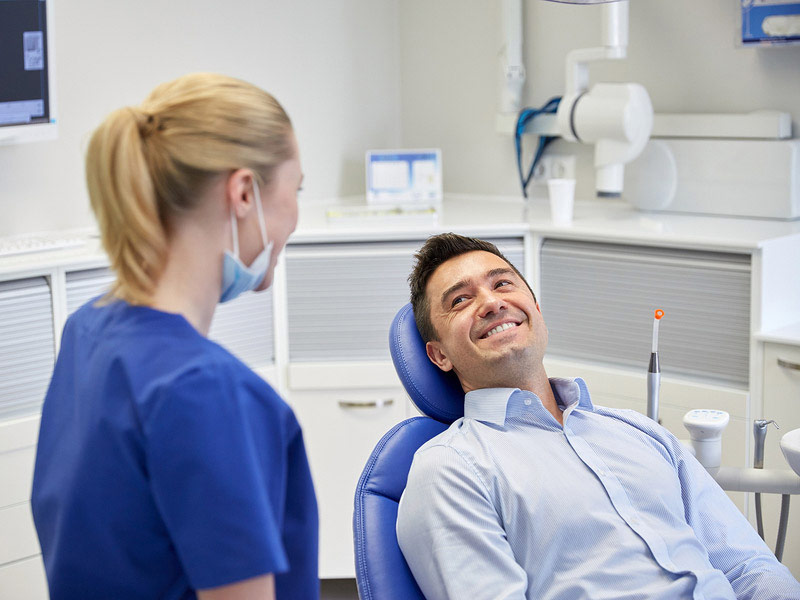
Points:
point(616, 117)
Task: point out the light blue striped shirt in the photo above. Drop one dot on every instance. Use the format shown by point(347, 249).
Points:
point(507, 504)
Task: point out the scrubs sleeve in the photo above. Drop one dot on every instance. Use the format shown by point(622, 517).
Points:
point(208, 482)
point(732, 544)
point(450, 532)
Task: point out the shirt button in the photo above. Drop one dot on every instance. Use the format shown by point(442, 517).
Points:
point(527, 401)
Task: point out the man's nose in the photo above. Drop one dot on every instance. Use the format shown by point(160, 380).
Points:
point(490, 302)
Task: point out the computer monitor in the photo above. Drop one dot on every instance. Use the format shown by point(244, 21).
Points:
point(27, 74)
point(404, 177)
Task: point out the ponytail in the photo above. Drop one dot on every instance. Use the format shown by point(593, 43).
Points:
point(123, 199)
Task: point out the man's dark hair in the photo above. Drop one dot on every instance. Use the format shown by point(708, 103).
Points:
point(436, 250)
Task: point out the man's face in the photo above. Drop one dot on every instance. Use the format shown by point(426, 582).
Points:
point(489, 326)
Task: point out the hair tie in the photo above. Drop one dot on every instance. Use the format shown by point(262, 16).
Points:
point(150, 124)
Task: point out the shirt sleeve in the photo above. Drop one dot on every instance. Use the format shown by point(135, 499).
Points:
point(732, 544)
point(208, 482)
point(451, 535)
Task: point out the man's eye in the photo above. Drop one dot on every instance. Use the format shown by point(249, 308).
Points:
point(502, 283)
point(458, 300)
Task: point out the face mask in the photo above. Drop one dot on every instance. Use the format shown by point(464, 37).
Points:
point(236, 277)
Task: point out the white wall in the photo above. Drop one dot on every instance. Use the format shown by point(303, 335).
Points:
point(683, 51)
point(333, 65)
point(359, 74)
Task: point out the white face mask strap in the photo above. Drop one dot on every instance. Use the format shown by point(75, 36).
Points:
point(235, 230)
point(261, 222)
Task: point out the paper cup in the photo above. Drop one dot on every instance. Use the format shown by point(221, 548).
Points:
point(562, 200)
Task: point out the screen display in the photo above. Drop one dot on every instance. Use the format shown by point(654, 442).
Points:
point(404, 176)
point(24, 90)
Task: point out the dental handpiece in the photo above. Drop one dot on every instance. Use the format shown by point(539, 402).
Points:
point(654, 372)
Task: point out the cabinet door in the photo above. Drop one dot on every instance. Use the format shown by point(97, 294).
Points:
point(27, 345)
point(341, 428)
point(781, 403)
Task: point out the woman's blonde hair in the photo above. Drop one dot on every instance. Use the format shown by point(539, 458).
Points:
point(148, 163)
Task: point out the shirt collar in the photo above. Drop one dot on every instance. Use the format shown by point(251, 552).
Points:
point(489, 405)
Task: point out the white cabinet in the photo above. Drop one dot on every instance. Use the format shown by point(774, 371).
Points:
point(781, 403)
point(341, 428)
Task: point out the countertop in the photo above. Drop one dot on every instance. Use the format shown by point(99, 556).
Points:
point(612, 221)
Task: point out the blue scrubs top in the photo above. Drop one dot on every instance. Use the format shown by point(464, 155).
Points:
point(166, 465)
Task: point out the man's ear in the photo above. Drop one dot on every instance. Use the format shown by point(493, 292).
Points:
point(434, 351)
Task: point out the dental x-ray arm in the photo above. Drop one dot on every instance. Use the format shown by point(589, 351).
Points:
point(616, 117)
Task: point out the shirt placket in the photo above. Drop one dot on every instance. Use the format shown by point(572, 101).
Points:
point(620, 499)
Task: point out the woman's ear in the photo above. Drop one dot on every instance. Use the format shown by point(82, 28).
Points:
point(239, 192)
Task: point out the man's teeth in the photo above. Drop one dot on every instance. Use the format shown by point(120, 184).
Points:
point(500, 328)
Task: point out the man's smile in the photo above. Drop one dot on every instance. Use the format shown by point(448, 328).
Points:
point(499, 328)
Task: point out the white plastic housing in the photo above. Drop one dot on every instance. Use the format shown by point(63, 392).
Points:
point(705, 428)
point(617, 118)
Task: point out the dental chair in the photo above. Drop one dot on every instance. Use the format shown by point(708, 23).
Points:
point(381, 570)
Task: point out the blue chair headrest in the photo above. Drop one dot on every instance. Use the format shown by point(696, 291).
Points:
point(435, 393)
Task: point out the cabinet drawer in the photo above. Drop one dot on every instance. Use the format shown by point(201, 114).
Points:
point(341, 428)
point(24, 579)
point(18, 538)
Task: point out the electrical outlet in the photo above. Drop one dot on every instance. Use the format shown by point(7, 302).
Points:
point(555, 166)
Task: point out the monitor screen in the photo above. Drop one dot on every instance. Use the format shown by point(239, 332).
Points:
point(25, 69)
point(404, 177)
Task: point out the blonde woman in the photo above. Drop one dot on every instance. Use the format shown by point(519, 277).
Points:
point(166, 468)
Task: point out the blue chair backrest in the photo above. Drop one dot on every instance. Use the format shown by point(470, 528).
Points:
point(381, 571)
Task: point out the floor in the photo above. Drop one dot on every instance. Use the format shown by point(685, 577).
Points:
point(339, 589)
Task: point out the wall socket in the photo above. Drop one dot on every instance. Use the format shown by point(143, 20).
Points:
point(554, 166)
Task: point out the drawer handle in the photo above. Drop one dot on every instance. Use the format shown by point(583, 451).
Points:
point(788, 365)
point(379, 403)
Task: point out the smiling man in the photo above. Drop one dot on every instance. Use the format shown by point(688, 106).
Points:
point(538, 493)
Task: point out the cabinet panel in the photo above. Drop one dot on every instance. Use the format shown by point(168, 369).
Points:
point(245, 327)
point(24, 579)
point(17, 534)
point(341, 428)
point(86, 284)
point(16, 473)
point(27, 345)
point(598, 301)
point(781, 403)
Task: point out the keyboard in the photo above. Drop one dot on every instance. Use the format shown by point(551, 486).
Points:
point(38, 243)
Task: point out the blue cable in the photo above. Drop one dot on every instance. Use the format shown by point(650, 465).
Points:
point(525, 117)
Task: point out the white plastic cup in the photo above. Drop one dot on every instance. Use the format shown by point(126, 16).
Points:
point(562, 200)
